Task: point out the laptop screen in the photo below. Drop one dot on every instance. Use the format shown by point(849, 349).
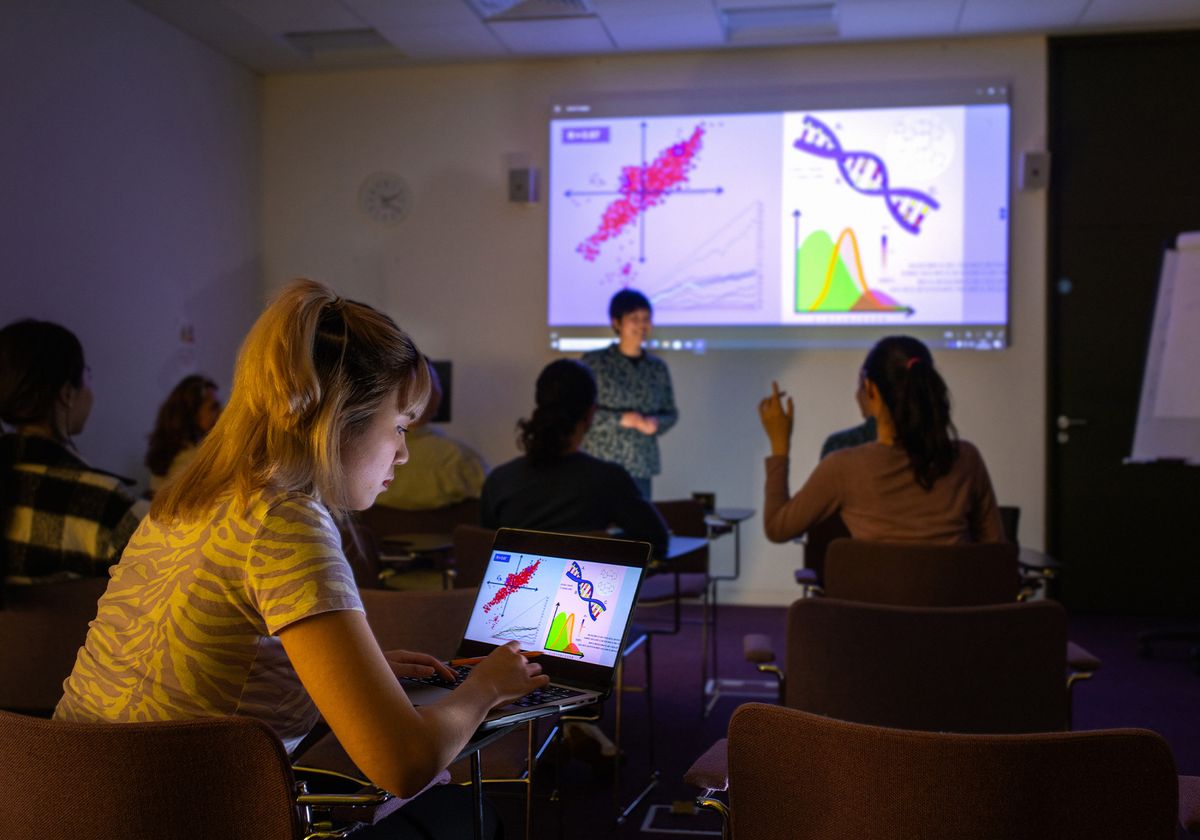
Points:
point(568, 607)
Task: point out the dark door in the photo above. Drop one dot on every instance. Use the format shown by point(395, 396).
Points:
point(1125, 177)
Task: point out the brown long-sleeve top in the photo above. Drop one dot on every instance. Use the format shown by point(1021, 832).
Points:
point(873, 488)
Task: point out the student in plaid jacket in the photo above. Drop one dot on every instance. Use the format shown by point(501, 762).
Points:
point(59, 517)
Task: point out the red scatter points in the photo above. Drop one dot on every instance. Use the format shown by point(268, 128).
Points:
point(642, 188)
point(625, 269)
point(511, 585)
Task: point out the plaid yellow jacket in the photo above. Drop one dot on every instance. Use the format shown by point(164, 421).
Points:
point(59, 518)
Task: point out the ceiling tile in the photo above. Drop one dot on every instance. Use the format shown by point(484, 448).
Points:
point(553, 37)
point(276, 16)
point(435, 43)
point(396, 13)
point(880, 19)
point(662, 24)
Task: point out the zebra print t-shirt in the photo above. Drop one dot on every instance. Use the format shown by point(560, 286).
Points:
point(187, 625)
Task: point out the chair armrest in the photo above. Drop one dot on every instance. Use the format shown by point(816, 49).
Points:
point(758, 648)
point(711, 770)
point(1079, 659)
point(808, 581)
point(1189, 803)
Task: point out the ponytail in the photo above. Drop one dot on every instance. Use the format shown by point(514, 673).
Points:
point(312, 371)
point(565, 392)
point(918, 401)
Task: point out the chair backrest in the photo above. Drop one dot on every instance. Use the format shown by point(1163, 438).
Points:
point(212, 777)
point(42, 627)
point(922, 574)
point(430, 621)
point(684, 517)
point(1010, 520)
point(387, 521)
point(952, 669)
point(797, 776)
point(472, 550)
point(361, 546)
point(817, 541)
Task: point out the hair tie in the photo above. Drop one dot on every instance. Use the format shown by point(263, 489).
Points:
point(911, 362)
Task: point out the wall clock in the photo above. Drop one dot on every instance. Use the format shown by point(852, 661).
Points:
point(385, 198)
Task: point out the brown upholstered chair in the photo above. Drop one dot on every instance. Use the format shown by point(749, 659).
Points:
point(43, 627)
point(924, 575)
point(988, 669)
point(386, 521)
point(799, 776)
point(211, 777)
point(472, 550)
point(921, 574)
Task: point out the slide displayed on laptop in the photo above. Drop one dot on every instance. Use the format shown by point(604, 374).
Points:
point(572, 609)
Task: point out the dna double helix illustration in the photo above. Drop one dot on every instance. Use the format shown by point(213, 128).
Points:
point(866, 173)
point(585, 589)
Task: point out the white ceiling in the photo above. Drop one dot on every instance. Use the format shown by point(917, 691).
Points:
point(275, 36)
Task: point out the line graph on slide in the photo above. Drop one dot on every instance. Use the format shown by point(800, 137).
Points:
point(725, 270)
point(827, 282)
point(523, 627)
point(866, 173)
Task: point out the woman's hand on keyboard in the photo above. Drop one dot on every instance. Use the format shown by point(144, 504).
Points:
point(509, 673)
point(406, 663)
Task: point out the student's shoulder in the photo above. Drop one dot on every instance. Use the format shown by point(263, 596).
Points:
point(291, 512)
point(969, 454)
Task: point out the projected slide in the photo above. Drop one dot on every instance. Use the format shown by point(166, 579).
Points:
point(562, 607)
point(865, 215)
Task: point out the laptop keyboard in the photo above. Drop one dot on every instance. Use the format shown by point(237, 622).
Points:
point(546, 694)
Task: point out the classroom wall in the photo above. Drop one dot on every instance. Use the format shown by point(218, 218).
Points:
point(129, 203)
point(465, 272)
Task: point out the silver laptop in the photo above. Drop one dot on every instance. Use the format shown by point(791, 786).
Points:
point(567, 597)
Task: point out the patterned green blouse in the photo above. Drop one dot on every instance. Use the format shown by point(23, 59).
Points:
point(624, 384)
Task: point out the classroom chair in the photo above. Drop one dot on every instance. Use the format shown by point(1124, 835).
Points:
point(176, 780)
point(799, 776)
point(924, 575)
point(42, 627)
point(986, 669)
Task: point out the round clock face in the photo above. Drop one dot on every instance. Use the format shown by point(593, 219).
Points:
point(385, 198)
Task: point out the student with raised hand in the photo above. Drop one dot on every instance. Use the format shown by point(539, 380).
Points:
point(60, 517)
point(556, 487)
point(916, 483)
point(185, 417)
point(234, 595)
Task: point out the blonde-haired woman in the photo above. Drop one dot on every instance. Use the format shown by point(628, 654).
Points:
point(234, 596)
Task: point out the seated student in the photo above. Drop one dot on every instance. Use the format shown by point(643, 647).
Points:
point(234, 596)
point(60, 517)
point(554, 486)
point(864, 432)
point(188, 414)
point(440, 470)
point(916, 483)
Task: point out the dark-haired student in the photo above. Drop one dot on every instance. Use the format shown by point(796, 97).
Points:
point(636, 401)
point(556, 487)
point(917, 482)
point(60, 517)
point(185, 417)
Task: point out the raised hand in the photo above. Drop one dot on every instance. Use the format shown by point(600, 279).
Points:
point(777, 420)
